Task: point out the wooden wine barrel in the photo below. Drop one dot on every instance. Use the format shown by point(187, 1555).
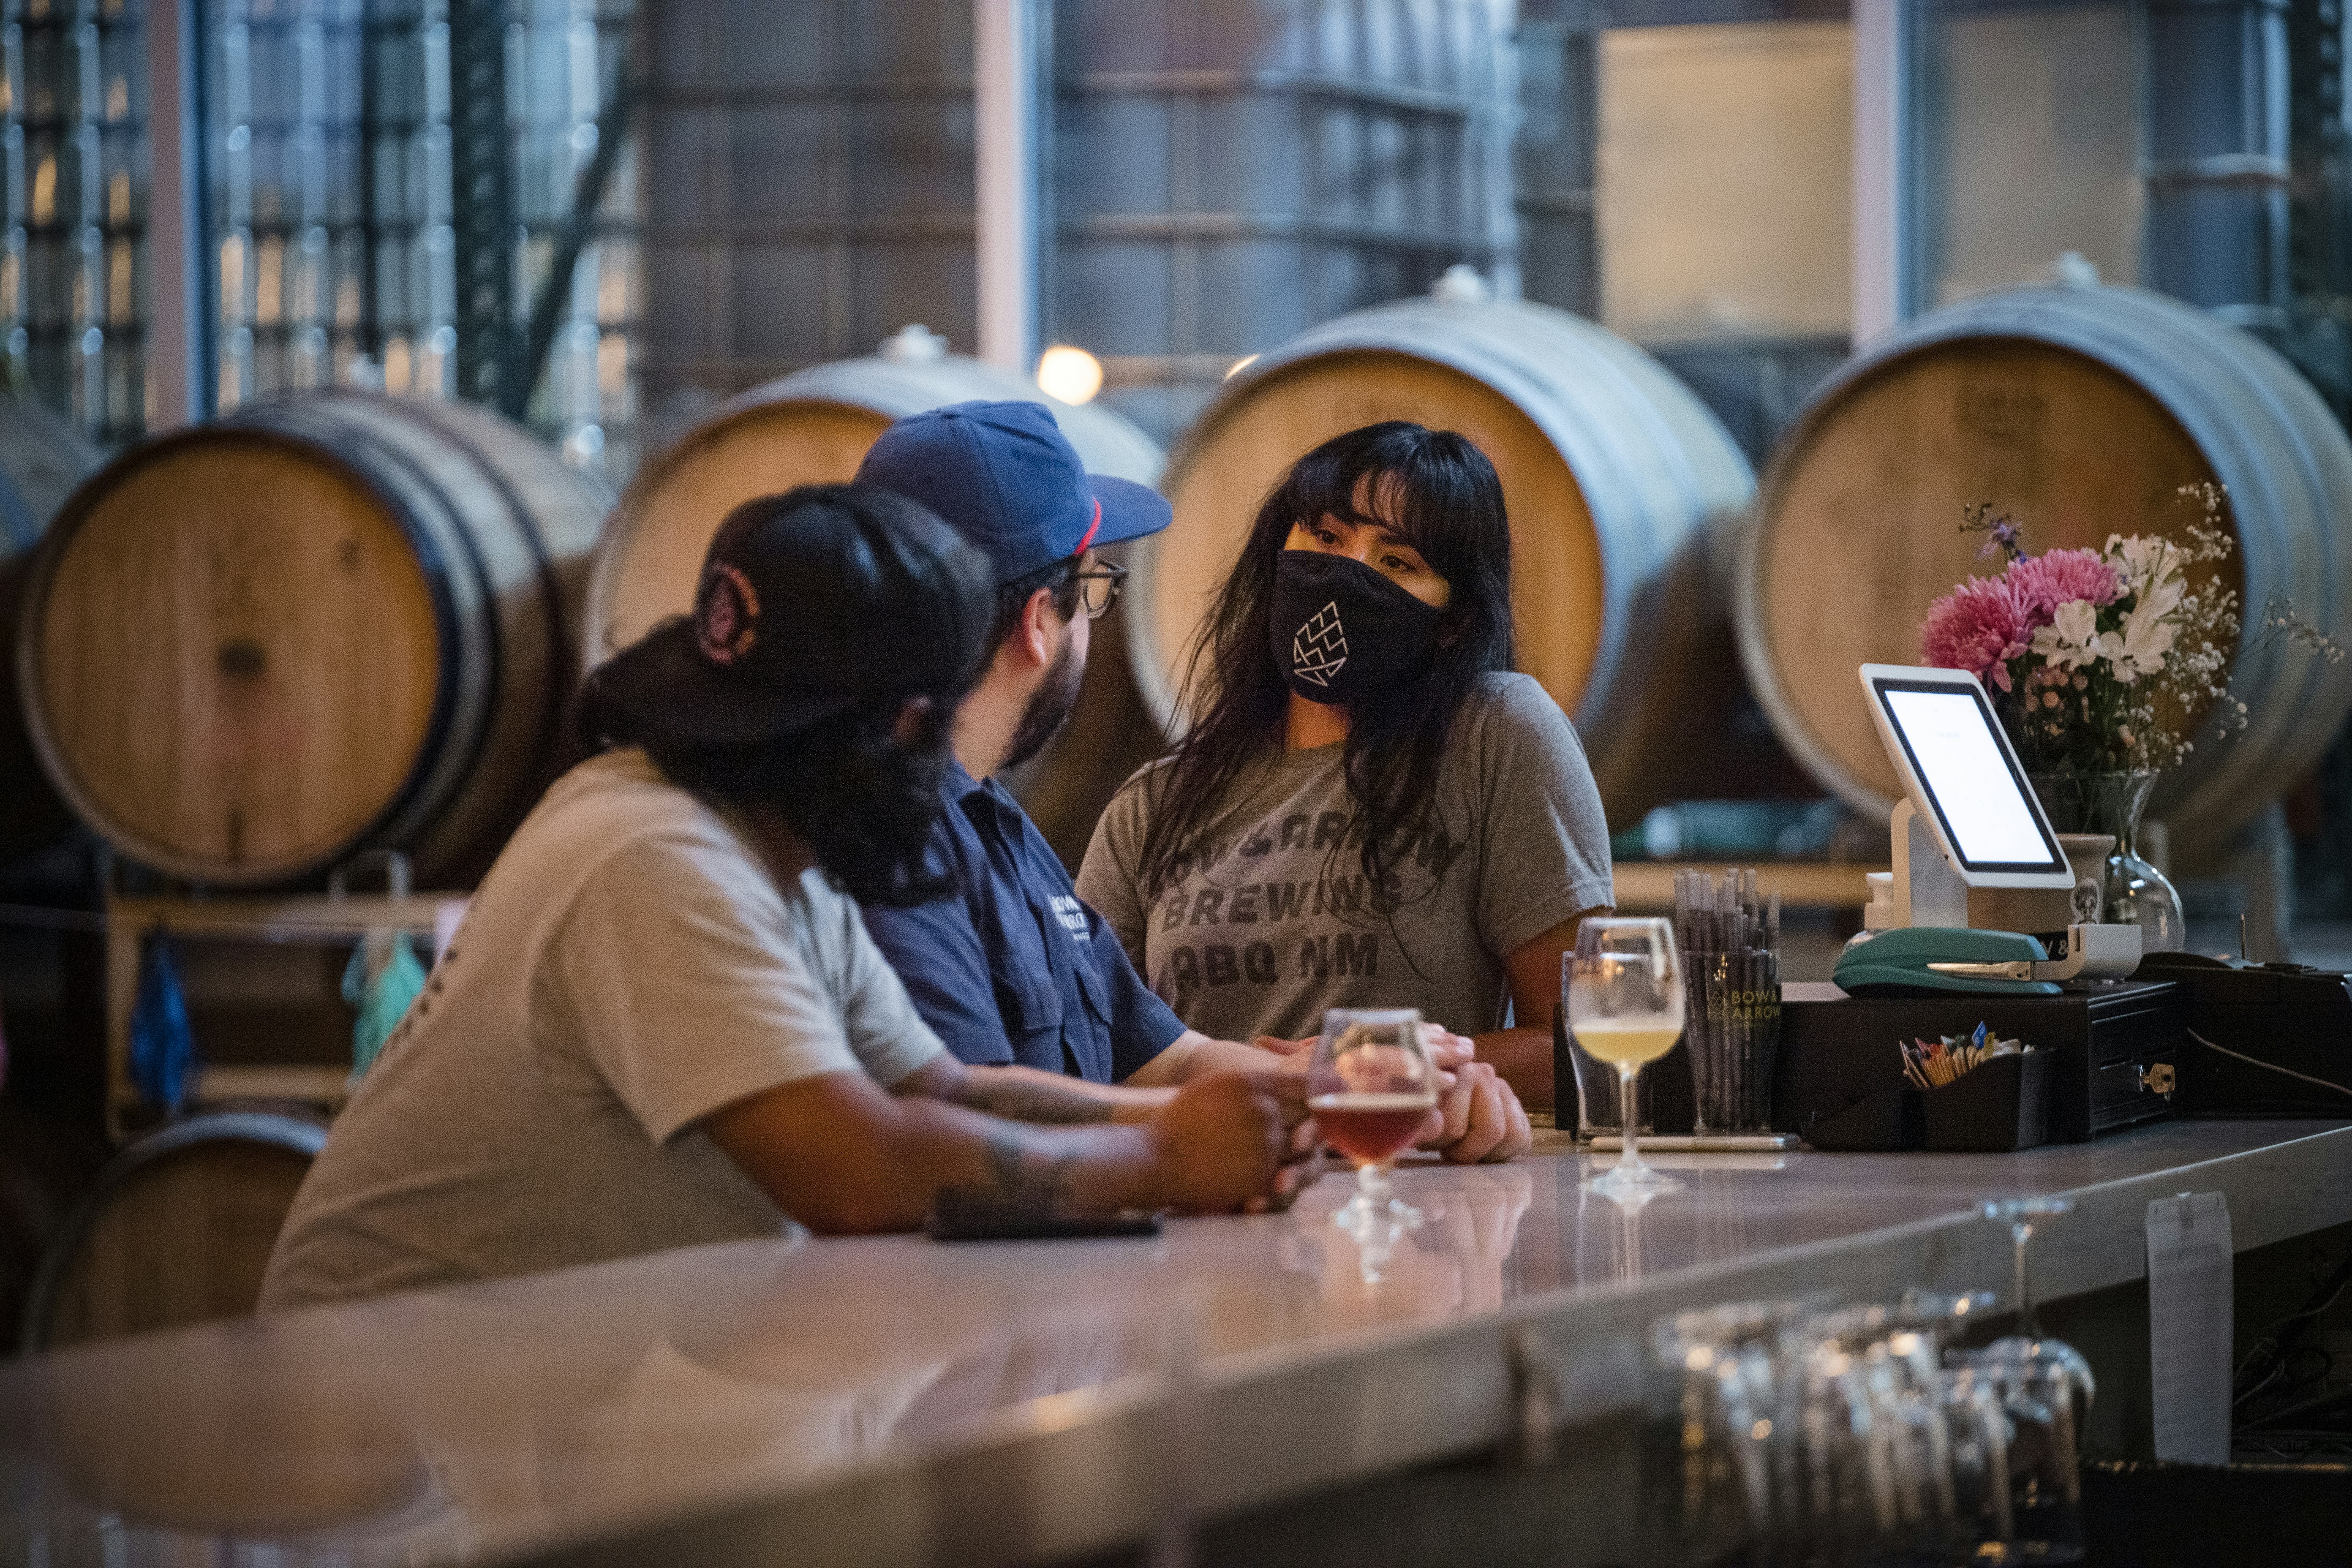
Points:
point(1621, 489)
point(2080, 411)
point(177, 1229)
point(814, 427)
point(42, 458)
point(331, 622)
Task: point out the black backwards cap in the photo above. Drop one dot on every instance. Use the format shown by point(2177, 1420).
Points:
point(810, 602)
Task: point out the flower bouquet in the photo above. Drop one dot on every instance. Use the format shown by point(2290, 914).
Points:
point(2101, 663)
point(2097, 660)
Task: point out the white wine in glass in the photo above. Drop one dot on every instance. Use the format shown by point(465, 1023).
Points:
point(1624, 991)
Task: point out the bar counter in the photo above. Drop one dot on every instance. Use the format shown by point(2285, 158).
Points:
point(896, 1400)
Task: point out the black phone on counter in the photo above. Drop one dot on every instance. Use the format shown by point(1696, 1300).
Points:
point(964, 1217)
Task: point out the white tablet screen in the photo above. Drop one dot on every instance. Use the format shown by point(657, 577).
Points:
point(1951, 738)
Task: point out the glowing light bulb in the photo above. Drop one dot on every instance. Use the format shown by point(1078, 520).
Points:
point(1069, 373)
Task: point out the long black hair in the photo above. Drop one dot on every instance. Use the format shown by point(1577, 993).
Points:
point(864, 798)
point(1439, 491)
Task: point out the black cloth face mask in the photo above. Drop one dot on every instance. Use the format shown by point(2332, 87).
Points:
point(1341, 631)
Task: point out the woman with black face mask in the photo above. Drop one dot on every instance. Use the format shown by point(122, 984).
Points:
point(1370, 809)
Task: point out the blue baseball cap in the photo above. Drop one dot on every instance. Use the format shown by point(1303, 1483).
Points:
point(1004, 477)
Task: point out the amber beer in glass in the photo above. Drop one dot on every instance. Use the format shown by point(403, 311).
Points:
point(1369, 1088)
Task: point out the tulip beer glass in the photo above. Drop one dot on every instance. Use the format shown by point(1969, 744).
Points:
point(1369, 1089)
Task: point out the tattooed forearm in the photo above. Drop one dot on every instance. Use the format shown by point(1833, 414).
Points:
point(1008, 1162)
point(1019, 1178)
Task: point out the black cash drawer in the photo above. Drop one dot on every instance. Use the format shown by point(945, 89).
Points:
point(2115, 1045)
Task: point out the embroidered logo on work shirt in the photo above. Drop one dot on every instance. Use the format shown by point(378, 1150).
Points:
point(1319, 648)
point(1072, 914)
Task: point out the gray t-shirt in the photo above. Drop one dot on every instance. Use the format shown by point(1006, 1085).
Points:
point(628, 966)
point(1264, 927)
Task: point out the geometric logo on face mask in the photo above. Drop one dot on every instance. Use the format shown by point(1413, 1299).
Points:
point(1319, 648)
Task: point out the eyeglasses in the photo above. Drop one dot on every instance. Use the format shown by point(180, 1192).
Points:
point(1098, 589)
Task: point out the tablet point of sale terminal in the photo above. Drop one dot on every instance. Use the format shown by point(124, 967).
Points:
point(1968, 831)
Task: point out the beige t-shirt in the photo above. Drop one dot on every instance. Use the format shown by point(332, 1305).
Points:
point(627, 967)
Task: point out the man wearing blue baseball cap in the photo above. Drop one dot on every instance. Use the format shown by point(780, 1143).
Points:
point(1013, 967)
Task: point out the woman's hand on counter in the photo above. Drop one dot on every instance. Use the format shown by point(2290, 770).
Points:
point(1478, 1118)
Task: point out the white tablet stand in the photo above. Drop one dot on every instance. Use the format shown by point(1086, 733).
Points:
point(1929, 891)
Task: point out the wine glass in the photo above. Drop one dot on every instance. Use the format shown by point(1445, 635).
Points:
point(2036, 1395)
point(1369, 1088)
point(1976, 1429)
point(2019, 1215)
point(1624, 988)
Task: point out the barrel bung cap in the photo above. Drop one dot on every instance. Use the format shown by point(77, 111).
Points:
point(914, 343)
point(1461, 285)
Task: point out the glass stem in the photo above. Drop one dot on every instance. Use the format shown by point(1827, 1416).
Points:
point(2021, 1232)
point(1372, 1183)
point(1628, 1073)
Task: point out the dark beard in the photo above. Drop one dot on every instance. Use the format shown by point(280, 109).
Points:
point(1049, 708)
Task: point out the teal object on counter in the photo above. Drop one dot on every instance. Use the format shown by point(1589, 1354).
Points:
point(1900, 958)
point(382, 998)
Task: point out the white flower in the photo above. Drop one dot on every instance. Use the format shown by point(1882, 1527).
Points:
point(2139, 648)
point(2143, 559)
point(2161, 598)
point(2070, 640)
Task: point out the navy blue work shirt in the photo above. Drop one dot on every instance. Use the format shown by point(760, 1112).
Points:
point(1013, 967)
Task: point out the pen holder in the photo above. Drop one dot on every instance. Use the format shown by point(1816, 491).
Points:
point(1733, 1033)
point(2001, 1106)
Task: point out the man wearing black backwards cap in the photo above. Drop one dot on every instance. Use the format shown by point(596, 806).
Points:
point(1013, 967)
point(662, 1022)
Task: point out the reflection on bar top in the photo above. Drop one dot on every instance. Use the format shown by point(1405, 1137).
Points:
point(456, 1424)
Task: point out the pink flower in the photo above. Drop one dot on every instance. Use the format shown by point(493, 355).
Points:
point(1979, 625)
point(2056, 577)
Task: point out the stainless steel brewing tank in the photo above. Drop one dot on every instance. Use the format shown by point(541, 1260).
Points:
point(1224, 173)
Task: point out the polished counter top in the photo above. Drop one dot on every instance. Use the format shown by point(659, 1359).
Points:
point(894, 1399)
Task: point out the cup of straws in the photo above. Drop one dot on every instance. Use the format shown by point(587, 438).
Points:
point(1730, 940)
point(1979, 1093)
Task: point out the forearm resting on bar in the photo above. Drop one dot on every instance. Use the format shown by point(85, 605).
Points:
point(843, 1155)
point(1025, 1094)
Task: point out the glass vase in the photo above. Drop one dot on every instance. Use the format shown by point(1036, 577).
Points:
point(2136, 892)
